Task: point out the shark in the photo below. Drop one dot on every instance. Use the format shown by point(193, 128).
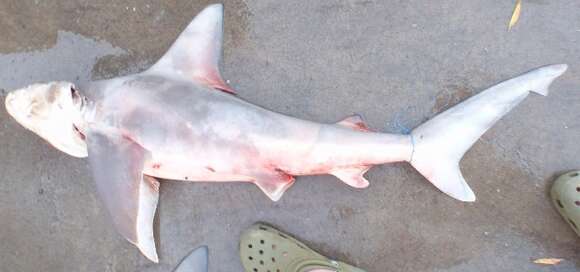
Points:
point(195, 261)
point(180, 120)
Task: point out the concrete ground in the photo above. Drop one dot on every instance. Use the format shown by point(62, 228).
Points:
point(395, 62)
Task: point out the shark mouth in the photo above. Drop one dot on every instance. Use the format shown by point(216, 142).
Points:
point(78, 132)
point(79, 101)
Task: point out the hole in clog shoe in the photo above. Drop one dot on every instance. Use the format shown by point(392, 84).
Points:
point(250, 246)
point(250, 258)
point(262, 242)
point(273, 259)
point(577, 203)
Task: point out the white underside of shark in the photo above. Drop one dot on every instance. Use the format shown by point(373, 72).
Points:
point(179, 120)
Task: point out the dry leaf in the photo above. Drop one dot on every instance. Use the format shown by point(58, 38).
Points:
point(515, 14)
point(548, 261)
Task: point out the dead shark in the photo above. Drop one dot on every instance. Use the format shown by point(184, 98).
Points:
point(195, 261)
point(179, 120)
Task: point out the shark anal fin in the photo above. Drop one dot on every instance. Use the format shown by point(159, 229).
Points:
point(129, 196)
point(274, 184)
point(196, 53)
point(352, 176)
point(355, 122)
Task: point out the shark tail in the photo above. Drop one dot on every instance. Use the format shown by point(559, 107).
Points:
point(440, 143)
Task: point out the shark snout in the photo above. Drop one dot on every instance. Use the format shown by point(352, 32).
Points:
point(9, 99)
point(10, 103)
point(17, 104)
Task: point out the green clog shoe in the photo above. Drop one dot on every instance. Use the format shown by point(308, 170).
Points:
point(566, 196)
point(265, 249)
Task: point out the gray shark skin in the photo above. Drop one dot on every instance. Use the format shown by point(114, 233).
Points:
point(196, 261)
point(179, 120)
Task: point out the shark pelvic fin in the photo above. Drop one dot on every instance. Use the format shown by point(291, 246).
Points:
point(129, 196)
point(274, 184)
point(196, 53)
point(355, 122)
point(353, 176)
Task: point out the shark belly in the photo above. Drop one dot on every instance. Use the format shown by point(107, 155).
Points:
point(194, 134)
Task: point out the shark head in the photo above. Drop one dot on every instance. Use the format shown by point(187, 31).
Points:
point(52, 111)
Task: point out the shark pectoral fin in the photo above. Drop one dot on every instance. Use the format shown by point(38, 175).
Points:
point(355, 122)
point(353, 176)
point(274, 184)
point(196, 53)
point(129, 196)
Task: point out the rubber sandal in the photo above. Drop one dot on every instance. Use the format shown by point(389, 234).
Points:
point(265, 249)
point(566, 196)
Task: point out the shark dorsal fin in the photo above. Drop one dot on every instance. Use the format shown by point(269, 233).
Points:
point(196, 53)
point(196, 261)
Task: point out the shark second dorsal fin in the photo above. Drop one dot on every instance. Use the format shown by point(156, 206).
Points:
point(196, 53)
point(355, 122)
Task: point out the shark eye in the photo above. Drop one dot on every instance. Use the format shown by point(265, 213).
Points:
point(75, 95)
point(73, 92)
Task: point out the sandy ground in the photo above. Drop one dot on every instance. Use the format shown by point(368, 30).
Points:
point(395, 62)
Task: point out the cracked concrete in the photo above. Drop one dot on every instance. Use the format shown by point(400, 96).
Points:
point(395, 62)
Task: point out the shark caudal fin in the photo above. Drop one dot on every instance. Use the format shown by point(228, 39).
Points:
point(440, 143)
